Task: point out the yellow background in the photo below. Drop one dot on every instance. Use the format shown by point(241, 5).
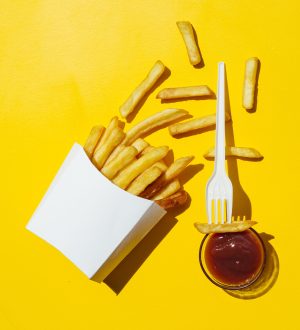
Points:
point(67, 65)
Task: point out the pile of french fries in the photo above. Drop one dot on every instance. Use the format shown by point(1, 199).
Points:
point(131, 163)
point(135, 166)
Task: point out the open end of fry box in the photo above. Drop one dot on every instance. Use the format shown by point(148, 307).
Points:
point(90, 220)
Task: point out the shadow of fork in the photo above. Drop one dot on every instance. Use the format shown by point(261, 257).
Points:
point(241, 209)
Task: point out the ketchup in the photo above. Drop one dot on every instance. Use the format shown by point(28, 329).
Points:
point(234, 258)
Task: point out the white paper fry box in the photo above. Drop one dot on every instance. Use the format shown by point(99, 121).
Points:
point(90, 220)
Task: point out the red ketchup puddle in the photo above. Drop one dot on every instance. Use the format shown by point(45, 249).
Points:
point(234, 258)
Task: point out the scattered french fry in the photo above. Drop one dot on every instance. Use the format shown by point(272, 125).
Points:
point(144, 179)
point(137, 95)
point(129, 173)
point(140, 144)
point(240, 152)
point(188, 36)
point(168, 190)
point(174, 200)
point(250, 82)
point(235, 226)
point(194, 124)
point(154, 122)
point(184, 92)
point(93, 139)
point(101, 154)
point(125, 157)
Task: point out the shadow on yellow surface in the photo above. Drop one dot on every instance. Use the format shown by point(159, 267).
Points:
point(268, 277)
point(121, 275)
point(241, 208)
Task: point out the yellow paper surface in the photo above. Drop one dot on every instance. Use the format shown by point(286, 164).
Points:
point(68, 65)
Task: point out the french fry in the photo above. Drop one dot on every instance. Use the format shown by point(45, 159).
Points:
point(147, 149)
point(153, 188)
point(250, 82)
point(194, 124)
point(128, 174)
point(100, 155)
point(140, 144)
point(177, 167)
point(184, 92)
point(115, 153)
point(235, 226)
point(93, 139)
point(114, 122)
point(174, 200)
point(240, 152)
point(143, 180)
point(188, 36)
point(137, 95)
point(171, 188)
point(161, 165)
point(148, 125)
point(125, 157)
point(154, 122)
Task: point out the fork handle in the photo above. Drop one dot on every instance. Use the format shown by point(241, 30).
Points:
point(220, 121)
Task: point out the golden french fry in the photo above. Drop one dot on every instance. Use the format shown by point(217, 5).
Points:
point(235, 226)
point(153, 188)
point(137, 95)
point(140, 144)
point(184, 92)
point(161, 165)
point(241, 152)
point(125, 157)
point(143, 180)
point(188, 36)
point(250, 82)
point(177, 167)
point(115, 153)
point(174, 200)
point(101, 154)
point(114, 122)
point(194, 124)
point(121, 124)
point(154, 122)
point(172, 172)
point(147, 149)
point(168, 190)
point(128, 174)
point(93, 139)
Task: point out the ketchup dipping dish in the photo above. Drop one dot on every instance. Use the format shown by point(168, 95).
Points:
point(232, 261)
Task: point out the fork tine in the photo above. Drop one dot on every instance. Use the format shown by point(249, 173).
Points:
point(216, 210)
point(208, 210)
point(229, 209)
point(222, 210)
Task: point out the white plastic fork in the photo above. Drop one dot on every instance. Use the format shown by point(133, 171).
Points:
point(219, 186)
